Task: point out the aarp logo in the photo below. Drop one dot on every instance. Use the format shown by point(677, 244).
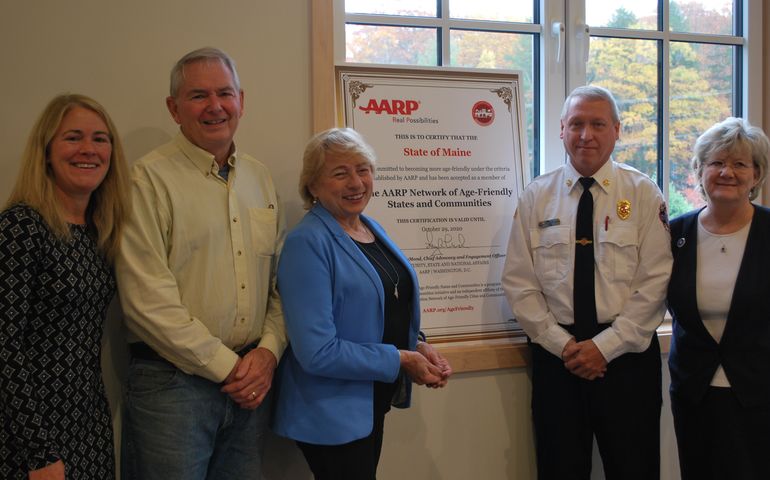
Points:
point(391, 107)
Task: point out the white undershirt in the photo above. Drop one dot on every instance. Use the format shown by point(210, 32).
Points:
point(719, 259)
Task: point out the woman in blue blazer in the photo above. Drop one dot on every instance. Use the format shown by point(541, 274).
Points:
point(352, 311)
point(719, 297)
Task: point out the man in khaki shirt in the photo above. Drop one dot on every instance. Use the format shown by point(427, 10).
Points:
point(197, 285)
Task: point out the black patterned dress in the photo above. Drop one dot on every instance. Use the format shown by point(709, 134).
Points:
point(53, 302)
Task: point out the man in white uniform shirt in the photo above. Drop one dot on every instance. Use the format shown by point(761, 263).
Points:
point(197, 285)
point(596, 372)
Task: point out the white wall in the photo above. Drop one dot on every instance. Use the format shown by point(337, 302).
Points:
point(120, 53)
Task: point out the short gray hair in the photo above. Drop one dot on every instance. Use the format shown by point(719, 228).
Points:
point(726, 136)
point(341, 142)
point(205, 53)
point(592, 92)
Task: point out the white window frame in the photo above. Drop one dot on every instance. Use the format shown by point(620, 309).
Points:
point(557, 78)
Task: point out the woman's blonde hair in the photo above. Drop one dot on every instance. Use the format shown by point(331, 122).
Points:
point(108, 206)
point(340, 142)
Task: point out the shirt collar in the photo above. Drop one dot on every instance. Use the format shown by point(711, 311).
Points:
point(201, 158)
point(604, 177)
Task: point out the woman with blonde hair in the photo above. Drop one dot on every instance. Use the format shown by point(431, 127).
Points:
point(59, 234)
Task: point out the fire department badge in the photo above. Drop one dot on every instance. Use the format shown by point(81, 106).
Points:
point(624, 209)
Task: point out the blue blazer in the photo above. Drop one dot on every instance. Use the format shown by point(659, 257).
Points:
point(744, 350)
point(334, 303)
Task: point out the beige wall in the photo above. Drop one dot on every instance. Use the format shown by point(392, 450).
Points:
point(766, 68)
point(120, 53)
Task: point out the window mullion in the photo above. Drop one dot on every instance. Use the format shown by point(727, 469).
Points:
point(664, 89)
point(575, 44)
point(552, 86)
point(444, 33)
point(664, 157)
point(390, 20)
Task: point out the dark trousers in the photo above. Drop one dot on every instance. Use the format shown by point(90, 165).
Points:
point(622, 410)
point(718, 438)
point(356, 460)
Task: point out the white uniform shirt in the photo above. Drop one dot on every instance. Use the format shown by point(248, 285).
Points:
point(632, 258)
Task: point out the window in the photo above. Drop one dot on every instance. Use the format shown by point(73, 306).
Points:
point(675, 66)
point(465, 33)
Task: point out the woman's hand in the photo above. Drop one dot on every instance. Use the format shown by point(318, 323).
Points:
point(419, 368)
point(54, 471)
point(434, 357)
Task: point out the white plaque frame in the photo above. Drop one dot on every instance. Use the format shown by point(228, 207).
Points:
point(451, 165)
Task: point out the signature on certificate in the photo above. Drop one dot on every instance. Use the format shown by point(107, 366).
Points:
point(443, 241)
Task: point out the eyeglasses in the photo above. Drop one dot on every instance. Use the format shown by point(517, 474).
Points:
point(739, 167)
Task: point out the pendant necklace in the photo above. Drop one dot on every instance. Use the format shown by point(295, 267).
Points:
point(398, 279)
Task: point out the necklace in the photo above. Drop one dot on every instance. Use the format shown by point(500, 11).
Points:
point(371, 257)
point(359, 233)
point(723, 249)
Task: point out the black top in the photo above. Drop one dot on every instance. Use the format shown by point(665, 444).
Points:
point(397, 310)
point(53, 301)
point(744, 351)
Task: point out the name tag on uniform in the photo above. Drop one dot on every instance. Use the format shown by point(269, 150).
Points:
point(549, 223)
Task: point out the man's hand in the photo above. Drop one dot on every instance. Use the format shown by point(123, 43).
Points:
point(570, 349)
point(434, 357)
point(584, 359)
point(54, 471)
point(251, 378)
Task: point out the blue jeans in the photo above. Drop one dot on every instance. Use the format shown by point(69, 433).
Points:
point(181, 427)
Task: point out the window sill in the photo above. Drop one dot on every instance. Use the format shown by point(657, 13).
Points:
point(508, 352)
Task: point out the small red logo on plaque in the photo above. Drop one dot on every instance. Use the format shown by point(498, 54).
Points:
point(483, 113)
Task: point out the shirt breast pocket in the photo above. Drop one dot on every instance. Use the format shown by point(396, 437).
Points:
point(618, 252)
point(264, 230)
point(551, 253)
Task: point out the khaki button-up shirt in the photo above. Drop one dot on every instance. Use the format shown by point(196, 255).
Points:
point(196, 272)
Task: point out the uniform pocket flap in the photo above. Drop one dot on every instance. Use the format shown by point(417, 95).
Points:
point(548, 237)
point(620, 235)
